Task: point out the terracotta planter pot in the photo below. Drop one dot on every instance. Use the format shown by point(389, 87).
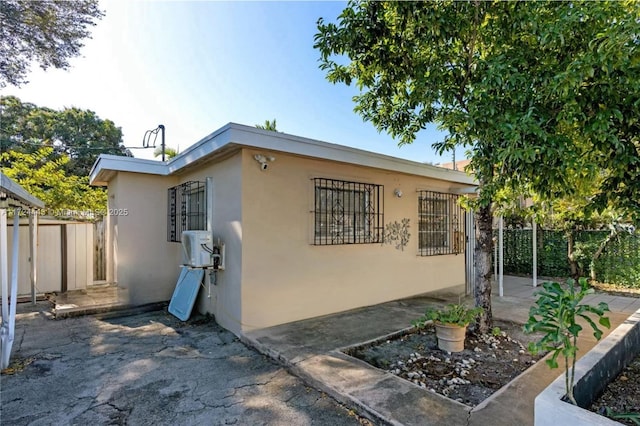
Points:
point(450, 337)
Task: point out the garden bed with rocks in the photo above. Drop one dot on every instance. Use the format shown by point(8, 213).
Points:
point(487, 363)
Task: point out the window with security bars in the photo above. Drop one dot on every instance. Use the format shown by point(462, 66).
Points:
point(348, 212)
point(186, 209)
point(440, 224)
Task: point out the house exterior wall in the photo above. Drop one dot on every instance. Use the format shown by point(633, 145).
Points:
point(144, 263)
point(273, 272)
point(224, 298)
point(286, 278)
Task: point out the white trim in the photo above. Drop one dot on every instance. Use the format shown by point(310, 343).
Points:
point(106, 163)
point(17, 193)
point(236, 136)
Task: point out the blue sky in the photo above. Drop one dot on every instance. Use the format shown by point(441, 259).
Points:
point(195, 66)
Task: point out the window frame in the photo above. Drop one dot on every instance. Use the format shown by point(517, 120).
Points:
point(441, 230)
point(182, 213)
point(347, 212)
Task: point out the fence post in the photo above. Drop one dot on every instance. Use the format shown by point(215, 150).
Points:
point(99, 263)
point(33, 252)
point(535, 252)
point(501, 248)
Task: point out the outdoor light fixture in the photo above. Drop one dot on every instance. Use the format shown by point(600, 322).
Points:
point(397, 192)
point(264, 160)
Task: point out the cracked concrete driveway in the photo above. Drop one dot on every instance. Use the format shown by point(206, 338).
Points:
point(150, 369)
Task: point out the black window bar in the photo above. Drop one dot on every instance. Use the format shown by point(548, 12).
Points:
point(440, 224)
point(186, 209)
point(348, 212)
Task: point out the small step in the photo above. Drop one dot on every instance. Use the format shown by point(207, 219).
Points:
point(105, 311)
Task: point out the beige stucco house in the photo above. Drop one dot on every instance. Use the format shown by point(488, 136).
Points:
point(303, 223)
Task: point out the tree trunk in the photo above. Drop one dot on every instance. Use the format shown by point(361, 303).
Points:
point(483, 269)
point(573, 265)
point(598, 253)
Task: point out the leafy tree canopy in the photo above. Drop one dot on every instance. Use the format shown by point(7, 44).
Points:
point(169, 153)
point(43, 174)
point(49, 32)
point(268, 125)
point(77, 134)
point(540, 92)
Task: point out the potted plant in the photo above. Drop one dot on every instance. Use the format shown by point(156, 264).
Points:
point(451, 324)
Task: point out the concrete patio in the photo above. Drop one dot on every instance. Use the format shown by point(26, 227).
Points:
point(310, 349)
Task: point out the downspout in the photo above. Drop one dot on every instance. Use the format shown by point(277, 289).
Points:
point(208, 185)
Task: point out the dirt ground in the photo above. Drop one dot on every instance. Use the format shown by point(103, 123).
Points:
point(622, 395)
point(487, 363)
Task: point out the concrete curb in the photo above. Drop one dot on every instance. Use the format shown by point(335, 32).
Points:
point(311, 381)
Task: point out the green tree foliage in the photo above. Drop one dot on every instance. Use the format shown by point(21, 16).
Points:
point(268, 125)
point(49, 32)
point(539, 93)
point(169, 153)
point(555, 314)
point(43, 174)
point(77, 134)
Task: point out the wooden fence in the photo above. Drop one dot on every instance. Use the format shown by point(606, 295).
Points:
point(99, 252)
point(71, 255)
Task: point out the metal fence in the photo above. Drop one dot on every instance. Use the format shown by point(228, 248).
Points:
point(618, 264)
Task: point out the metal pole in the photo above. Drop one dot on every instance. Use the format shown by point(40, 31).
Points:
point(14, 274)
point(495, 260)
point(161, 127)
point(4, 266)
point(209, 199)
point(33, 252)
point(501, 249)
point(9, 312)
point(535, 253)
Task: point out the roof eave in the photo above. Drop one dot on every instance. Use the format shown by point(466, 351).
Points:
point(14, 195)
point(235, 136)
point(107, 165)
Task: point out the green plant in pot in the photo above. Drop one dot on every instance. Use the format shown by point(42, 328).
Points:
point(451, 324)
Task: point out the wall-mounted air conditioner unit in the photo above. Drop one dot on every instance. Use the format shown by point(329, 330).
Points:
point(196, 249)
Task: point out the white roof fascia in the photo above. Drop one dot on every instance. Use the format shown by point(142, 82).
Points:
point(13, 191)
point(238, 135)
point(206, 146)
point(125, 164)
point(253, 137)
point(465, 190)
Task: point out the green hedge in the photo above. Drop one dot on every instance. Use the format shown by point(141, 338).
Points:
point(619, 263)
